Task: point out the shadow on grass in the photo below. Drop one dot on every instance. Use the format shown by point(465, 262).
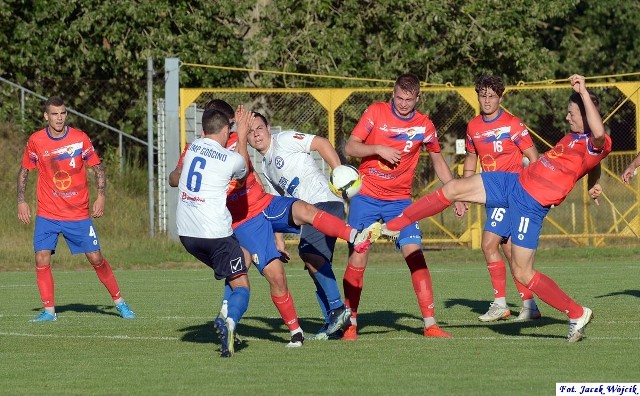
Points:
point(508, 327)
point(101, 309)
point(369, 323)
point(477, 306)
point(206, 334)
point(628, 292)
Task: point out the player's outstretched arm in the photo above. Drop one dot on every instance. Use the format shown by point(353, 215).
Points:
point(593, 185)
point(444, 174)
point(592, 114)
point(244, 120)
point(531, 153)
point(24, 211)
point(324, 147)
point(630, 171)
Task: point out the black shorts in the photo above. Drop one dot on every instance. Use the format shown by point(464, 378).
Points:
point(223, 255)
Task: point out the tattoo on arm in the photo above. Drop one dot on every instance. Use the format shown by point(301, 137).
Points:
point(101, 179)
point(23, 174)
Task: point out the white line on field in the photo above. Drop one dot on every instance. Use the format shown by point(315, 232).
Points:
point(361, 338)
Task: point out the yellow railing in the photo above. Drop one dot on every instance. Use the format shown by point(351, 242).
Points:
point(333, 113)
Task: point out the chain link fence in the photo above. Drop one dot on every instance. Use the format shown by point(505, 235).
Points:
point(334, 113)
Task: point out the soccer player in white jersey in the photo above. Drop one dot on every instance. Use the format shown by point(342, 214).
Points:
point(203, 220)
point(292, 171)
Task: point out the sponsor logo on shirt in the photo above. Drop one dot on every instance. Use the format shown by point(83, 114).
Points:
point(189, 198)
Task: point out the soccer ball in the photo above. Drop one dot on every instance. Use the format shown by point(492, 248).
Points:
point(345, 181)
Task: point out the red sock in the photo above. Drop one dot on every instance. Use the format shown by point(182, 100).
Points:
point(426, 206)
point(525, 294)
point(552, 294)
point(352, 284)
point(105, 274)
point(287, 310)
point(332, 226)
point(421, 279)
point(44, 280)
point(498, 273)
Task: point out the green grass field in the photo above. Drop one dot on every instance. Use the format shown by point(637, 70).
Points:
point(171, 347)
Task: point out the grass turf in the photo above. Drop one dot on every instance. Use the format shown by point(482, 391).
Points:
point(171, 348)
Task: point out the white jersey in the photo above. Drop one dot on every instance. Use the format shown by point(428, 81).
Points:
point(202, 205)
point(292, 171)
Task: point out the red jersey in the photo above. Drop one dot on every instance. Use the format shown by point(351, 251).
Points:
point(246, 198)
point(550, 179)
point(62, 189)
point(498, 143)
point(380, 124)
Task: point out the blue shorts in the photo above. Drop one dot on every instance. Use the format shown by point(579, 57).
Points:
point(256, 234)
point(526, 215)
point(80, 235)
point(498, 221)
point(279, 214)
point(313, 241)
point(365, 210)
point(222, 255)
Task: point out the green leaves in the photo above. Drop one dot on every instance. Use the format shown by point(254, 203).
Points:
point(94, 52)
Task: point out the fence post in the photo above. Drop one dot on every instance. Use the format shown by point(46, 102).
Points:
point(152, 209)
point(172, 134)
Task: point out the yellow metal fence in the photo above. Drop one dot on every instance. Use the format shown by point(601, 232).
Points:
point(333, 113)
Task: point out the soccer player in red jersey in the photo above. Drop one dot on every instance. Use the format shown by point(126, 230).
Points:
point(499, 140)
point(60, 154)
point(389, 138)
point(257, 215)
point(531, 194)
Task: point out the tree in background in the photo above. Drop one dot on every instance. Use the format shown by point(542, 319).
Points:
point(94, 53)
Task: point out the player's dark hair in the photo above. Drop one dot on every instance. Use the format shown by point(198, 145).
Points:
point(262, 117)
point(408, 82)
point(221, 106)
point(577, 99)
point(214, 121)
point(53, 101)
point(487, 81)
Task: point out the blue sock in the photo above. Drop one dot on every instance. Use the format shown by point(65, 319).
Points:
point(327, 281)
point(238, 303)
point(322, 301)
point(227, 291)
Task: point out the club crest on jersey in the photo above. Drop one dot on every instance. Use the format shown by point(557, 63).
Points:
point(279, 162)
point(556, 152)
point(62, 180)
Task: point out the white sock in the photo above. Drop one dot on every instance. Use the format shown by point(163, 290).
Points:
point(501, 301)
point(428, 322)
point(530, 303)
point(298, 330)
point(232, 324)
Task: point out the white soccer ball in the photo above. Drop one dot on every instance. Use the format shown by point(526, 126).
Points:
point(345, 181)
